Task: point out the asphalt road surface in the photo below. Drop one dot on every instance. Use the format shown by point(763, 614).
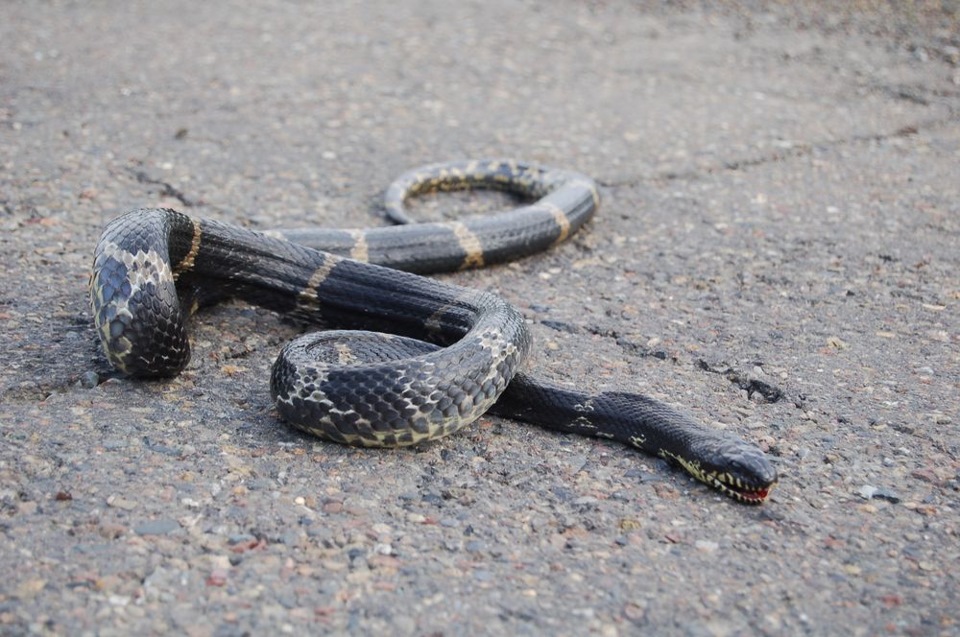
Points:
point(778, 253)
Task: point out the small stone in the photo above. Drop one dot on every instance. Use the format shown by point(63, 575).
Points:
point(634, 612)
point(333, 565)
point(951, 53)
point(925, 474)
point(240, 538)
point(157, 527)
point(118, 600)
point(332, 506)
point(118, 502)
point(706, 546)
point(474, 546)
point(836, 342)
point(870, 492)
point(111, 530)
point(89, 379)
point(355, 553)
point(630, 524)
point(217, 577)
point(381, 529)
point(886, 494)
point(383, 562)
point(30, 588)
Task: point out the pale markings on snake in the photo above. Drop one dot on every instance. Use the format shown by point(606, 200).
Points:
point(361, 250)
point(560, 218)
point(432, 324)
point(584, 407)
point(470, 244)
point(143, 268)
point(583, 423)
point(345, 355)
point(187, 262)
point(308, 295)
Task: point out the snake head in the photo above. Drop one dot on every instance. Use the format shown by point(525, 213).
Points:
point(733, 467)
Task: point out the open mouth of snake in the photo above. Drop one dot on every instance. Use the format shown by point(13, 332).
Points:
point(743, 493)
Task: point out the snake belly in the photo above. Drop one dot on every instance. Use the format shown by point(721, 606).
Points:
point(413, 358)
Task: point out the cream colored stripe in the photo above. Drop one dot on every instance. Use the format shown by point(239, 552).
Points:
point(308, 295)
point(186, 263)
point(560, 218)
point(360, 250)
point(470, 244)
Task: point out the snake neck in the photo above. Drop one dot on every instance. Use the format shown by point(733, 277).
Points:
point(733, 467)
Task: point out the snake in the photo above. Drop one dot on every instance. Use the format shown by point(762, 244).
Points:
point(401, 358)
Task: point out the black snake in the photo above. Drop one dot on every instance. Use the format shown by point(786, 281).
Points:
point(419, 358)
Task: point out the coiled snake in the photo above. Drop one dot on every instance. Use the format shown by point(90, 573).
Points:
point(419, 358)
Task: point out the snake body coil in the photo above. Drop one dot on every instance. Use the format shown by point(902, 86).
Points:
point(419, 358)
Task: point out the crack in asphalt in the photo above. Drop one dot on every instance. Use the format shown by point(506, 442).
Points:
point(770, 393)
point(752, 385)
point(168, 189)
point(798, 149)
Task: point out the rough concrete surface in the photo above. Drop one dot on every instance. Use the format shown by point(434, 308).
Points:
point(777, 253)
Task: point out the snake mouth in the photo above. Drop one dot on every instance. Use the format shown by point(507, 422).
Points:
point(742, 492)
point(734, 484)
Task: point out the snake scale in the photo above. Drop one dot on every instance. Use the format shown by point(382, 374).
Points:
point(405, 358)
